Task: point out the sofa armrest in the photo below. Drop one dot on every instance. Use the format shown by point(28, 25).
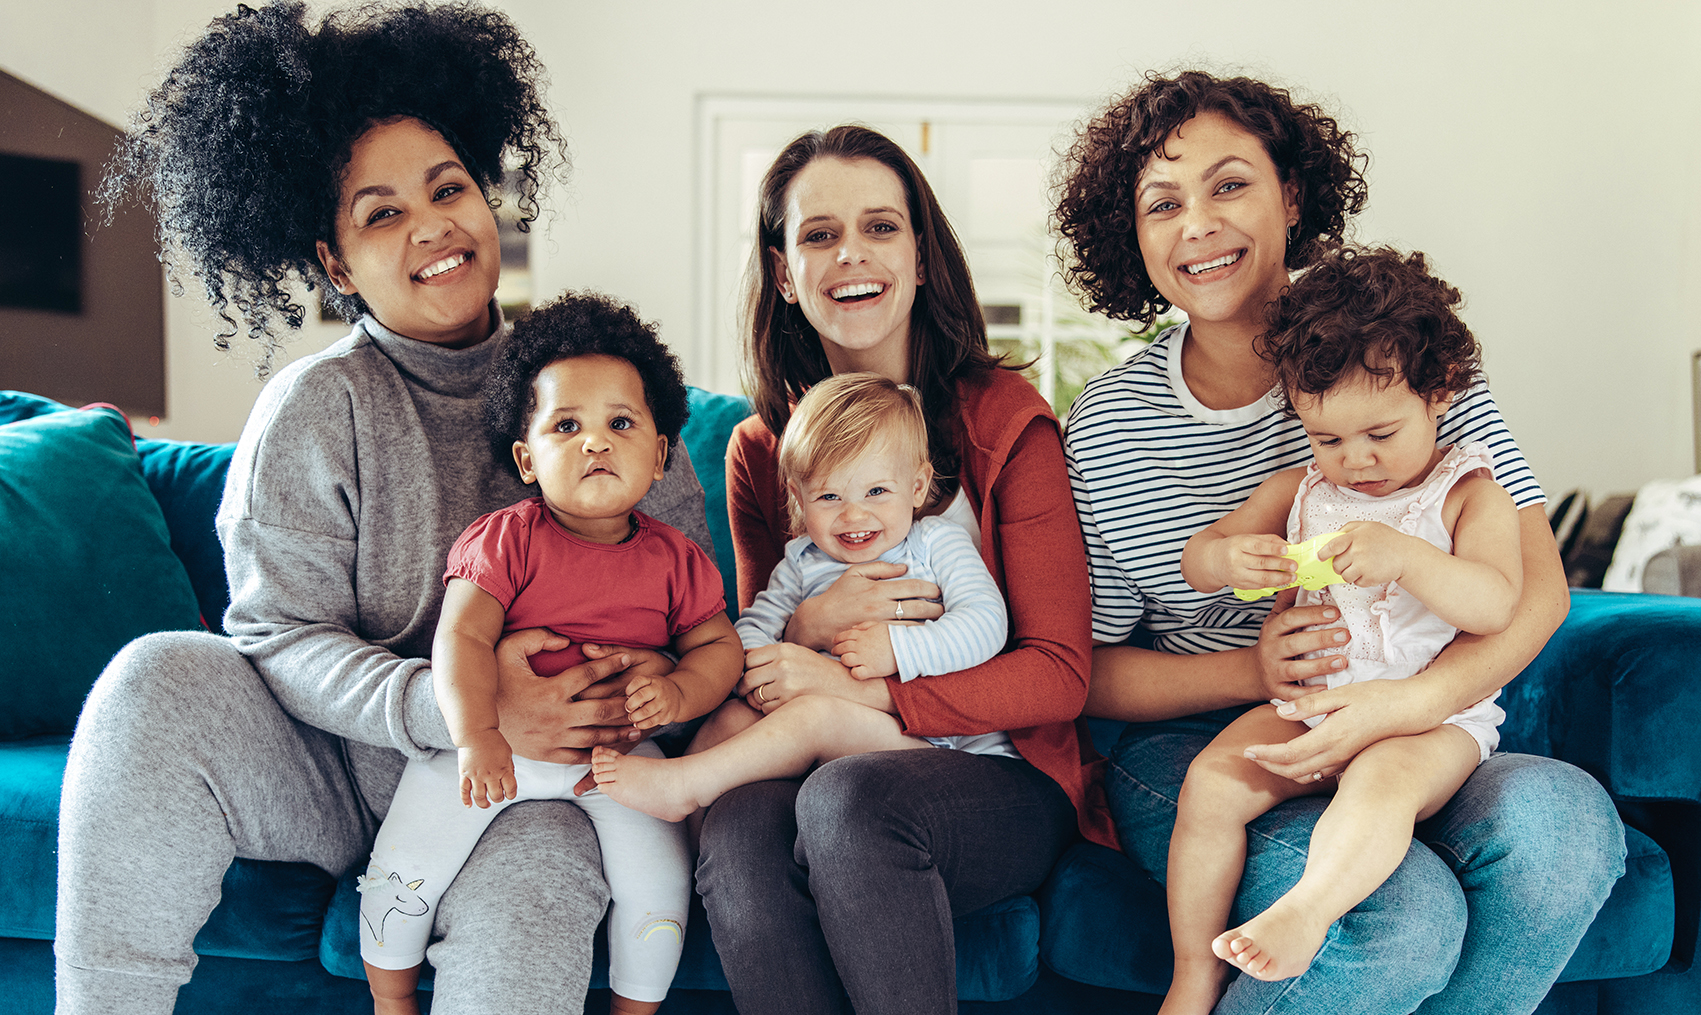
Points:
point(1617, 692)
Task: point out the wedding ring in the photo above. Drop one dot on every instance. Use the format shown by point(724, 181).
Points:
point(760, 697)
point(900, 612)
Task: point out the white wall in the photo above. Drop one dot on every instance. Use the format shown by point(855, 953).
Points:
point(1542, 153)
point(103, 57)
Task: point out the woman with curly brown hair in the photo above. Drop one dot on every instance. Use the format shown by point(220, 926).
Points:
point(356, 154)
point(1202, 194)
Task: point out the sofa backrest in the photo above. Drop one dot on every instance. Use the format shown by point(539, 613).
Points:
point(187, 479)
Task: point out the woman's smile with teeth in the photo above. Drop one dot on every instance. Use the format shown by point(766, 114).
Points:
point(431, 271)
point(856, 289)
point(1221, 262)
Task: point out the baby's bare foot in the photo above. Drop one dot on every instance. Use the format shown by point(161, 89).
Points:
point(1277, 944)
point(655, 786)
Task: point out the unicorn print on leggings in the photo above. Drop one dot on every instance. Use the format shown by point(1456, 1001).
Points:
point(392, 894)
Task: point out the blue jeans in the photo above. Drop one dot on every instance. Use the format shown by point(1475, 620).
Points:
point(1481, 916)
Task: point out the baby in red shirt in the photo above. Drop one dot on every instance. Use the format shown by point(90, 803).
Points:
point(588, 401)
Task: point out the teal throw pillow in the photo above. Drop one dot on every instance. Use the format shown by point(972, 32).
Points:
point(16, 405)
point(87, 560)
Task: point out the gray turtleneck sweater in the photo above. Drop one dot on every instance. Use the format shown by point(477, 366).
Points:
point(356, 471)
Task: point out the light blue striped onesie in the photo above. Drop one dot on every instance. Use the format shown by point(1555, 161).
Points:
point(972, 630)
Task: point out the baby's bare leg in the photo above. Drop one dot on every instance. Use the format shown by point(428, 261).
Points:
point(1356, 845)
point(728, 720)
point(393, 990)
point(618, 1005)
point(787, 743)
point(1207, 852)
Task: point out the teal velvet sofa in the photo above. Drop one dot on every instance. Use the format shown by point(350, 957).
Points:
point(109, 539)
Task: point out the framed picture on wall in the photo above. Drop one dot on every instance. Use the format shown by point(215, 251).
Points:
point(41, 233)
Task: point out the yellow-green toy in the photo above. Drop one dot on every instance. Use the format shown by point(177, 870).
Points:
point(1313, 573)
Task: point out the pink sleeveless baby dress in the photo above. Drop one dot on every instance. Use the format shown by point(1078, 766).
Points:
point(1393, 634)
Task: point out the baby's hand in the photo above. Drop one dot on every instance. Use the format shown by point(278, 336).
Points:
point(1369, 553)
point(653, 701)
point(1248, 561)
point(866, 650)
point(487, 769)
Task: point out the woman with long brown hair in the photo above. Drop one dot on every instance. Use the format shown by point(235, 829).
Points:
point(846, 882)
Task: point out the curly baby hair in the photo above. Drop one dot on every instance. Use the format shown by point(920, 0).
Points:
point(242, 147)
point(1371, 310)
point(1100, 174)
point(579, 324)
point(842, 417)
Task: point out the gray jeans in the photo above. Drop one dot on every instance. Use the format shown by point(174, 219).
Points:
point(183, 760)
point(847, 882)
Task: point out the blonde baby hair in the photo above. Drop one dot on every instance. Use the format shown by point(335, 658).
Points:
point(841, 417)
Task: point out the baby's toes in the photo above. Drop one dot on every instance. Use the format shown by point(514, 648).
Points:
point(1254, 961)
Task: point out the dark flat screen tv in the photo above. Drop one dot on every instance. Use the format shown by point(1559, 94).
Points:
point(41, 234)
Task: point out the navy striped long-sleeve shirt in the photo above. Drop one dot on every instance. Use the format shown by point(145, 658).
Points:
point(1150, 466)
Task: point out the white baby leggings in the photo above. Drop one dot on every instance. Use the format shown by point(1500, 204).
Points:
point(428, 835)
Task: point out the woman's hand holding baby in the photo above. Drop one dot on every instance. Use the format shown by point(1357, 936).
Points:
point(865, 592)
point(544, 718)
point(643, 662)
point(866, 650)
point(640, 662)
point(1359, 714)
point(487, 769)
point(1288, 635)
point(774, 674)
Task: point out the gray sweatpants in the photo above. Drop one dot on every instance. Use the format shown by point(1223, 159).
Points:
point(183, 760)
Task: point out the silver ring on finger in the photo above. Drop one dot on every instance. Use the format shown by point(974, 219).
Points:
point(899, 614)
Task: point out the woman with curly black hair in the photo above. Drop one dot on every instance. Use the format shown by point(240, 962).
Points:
point(1202, 194)
point(356, 153)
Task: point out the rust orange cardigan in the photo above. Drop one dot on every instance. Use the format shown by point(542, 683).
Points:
point(1013, 473)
